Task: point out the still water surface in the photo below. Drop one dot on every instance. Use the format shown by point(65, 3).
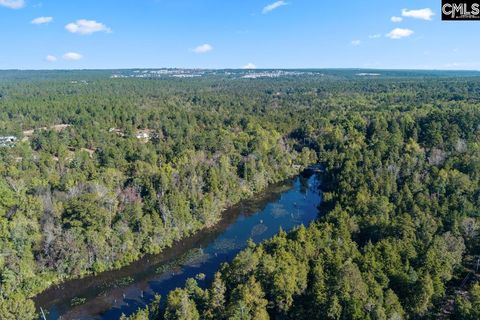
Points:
point(108, 295)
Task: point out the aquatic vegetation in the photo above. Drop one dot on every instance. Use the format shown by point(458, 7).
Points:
point(226, 245)
point(278, 211)
point(77, 301)
point(258, 230)
point(200, 276)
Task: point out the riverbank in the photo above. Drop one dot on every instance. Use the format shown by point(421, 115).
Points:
point(106, 288)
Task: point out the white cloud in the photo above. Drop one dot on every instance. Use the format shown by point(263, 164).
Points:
point(356, 43)
point(399, 33)
point(84, 27)
point(51, 58)
point(42, 20)
point(269, 8)
point(12, 4)
point(375, 36)
point(204, 48)
point(250, 66)
point(72, 56)
point(424, 14)
point(396, 19)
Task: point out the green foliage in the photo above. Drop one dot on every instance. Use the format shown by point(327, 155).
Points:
point(400, 210)
point(248, 302)
point(468, 307)
point(150, 312)
point(17, 307)
point(215, 308)
point(181, 306)
point(399, 213)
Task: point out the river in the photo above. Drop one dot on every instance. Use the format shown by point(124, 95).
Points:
point(108, 295)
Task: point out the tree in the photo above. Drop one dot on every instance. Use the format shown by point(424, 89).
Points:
point(215, 308)
point(180, 306)
point(468, 308)
point(17, 307)
point(248, 302)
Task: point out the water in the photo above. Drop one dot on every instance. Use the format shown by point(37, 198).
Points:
point(108, 295)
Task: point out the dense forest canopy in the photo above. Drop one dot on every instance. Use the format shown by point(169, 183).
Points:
point(111, 165)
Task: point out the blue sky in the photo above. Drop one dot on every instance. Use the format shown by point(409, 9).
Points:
point(71, 34)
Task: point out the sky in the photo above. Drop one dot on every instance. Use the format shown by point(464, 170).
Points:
point(110, 34)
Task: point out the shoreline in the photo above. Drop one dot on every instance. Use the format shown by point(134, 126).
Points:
point(43, 298)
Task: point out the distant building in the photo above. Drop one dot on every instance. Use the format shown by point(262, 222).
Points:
point(7, 141)
point(118, 132)
point(143, 135)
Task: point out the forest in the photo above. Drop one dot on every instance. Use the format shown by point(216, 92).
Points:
point(105, 170)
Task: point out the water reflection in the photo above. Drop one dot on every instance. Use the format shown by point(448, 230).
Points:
point(110, 294)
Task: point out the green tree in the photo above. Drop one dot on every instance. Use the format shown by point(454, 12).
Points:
point(180, 306)
point(248, 302)
point(215, 308)
point(17, 307)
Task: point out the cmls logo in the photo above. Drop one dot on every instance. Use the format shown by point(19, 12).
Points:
point(460, 10)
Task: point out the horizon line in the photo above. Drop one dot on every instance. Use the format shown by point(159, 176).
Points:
point(244, 69)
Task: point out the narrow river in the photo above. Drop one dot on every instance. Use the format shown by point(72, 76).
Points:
point(108, 295)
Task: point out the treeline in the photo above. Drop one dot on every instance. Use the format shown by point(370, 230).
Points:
point(401, 200)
